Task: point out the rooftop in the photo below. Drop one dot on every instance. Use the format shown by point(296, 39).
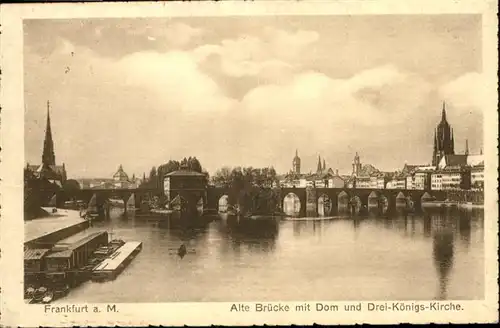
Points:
point(63, 254)
point(35, 254)
point(37, 228)
point(77, 240)
point(185, 173)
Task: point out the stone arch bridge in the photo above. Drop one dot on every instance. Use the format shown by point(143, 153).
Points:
point(307, 196)
point(390, 198)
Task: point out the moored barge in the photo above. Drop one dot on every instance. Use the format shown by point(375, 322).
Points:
point(112, 266)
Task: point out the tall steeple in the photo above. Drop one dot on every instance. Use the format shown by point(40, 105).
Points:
point(443, 113)
point(296, 163)
point(48, 156)
point(466, 146)
point(319, 168)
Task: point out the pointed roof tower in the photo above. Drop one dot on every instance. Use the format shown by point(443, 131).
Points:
point(48, 156)
point(296, 158)
point(319, 168)
point(443, 113)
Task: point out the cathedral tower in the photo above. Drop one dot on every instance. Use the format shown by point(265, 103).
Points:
point(296, 163)
point(444, 143)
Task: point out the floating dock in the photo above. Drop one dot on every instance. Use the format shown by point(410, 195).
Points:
point(112, 266)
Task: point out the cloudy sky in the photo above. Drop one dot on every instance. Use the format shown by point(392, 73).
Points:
point(249, 91)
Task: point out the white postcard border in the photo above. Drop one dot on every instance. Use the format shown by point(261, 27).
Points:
point(15, 312)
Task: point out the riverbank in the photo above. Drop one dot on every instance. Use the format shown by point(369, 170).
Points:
point(464, 205)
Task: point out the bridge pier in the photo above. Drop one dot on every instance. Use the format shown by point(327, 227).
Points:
point(311, 200)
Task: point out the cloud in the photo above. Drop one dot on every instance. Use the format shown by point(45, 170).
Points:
point(313, 96)
point(175, 78)
point(466, 92)
point(272, 55)
point(174, 35)
point(180, 34)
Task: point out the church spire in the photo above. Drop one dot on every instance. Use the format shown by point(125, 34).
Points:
point(443, 113)
point(319, 164)
point(466, 146)
point(48, 156)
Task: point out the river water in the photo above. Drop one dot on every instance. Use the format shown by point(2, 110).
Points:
point(435, 255)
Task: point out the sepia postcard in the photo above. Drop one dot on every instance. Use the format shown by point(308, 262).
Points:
point(248, 163)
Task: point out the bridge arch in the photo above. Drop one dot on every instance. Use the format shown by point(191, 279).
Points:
point(324, 205)
point(200, 205)
point(343, 201)
point(291, 204)
point(223, 203)
point(373, 199)
point(356, 204)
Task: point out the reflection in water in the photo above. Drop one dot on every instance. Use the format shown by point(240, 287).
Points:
point(291, 204)
point(464, 228)
point(443, 249)
point(324, 205)
point(255, 234)
point(242, 259)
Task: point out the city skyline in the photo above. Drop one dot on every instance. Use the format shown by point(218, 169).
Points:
point(229, 108)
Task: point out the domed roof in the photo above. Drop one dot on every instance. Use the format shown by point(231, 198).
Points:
point(120, 174)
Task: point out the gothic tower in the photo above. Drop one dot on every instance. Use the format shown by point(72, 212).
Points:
point(444, 143)
point(296, 163)
point(319, 169)
point(48, 156)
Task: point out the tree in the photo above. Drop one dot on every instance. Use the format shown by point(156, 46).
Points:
point(165, 169)
point(237, 179)
point(153, 178)
point(37, 192)
point(272, 176)
point(194, 164)
point(222, 177)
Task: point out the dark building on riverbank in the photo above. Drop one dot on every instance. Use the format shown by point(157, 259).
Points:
point(186, 187)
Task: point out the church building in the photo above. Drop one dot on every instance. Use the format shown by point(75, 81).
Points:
point(444, 143)
point(48, 168)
